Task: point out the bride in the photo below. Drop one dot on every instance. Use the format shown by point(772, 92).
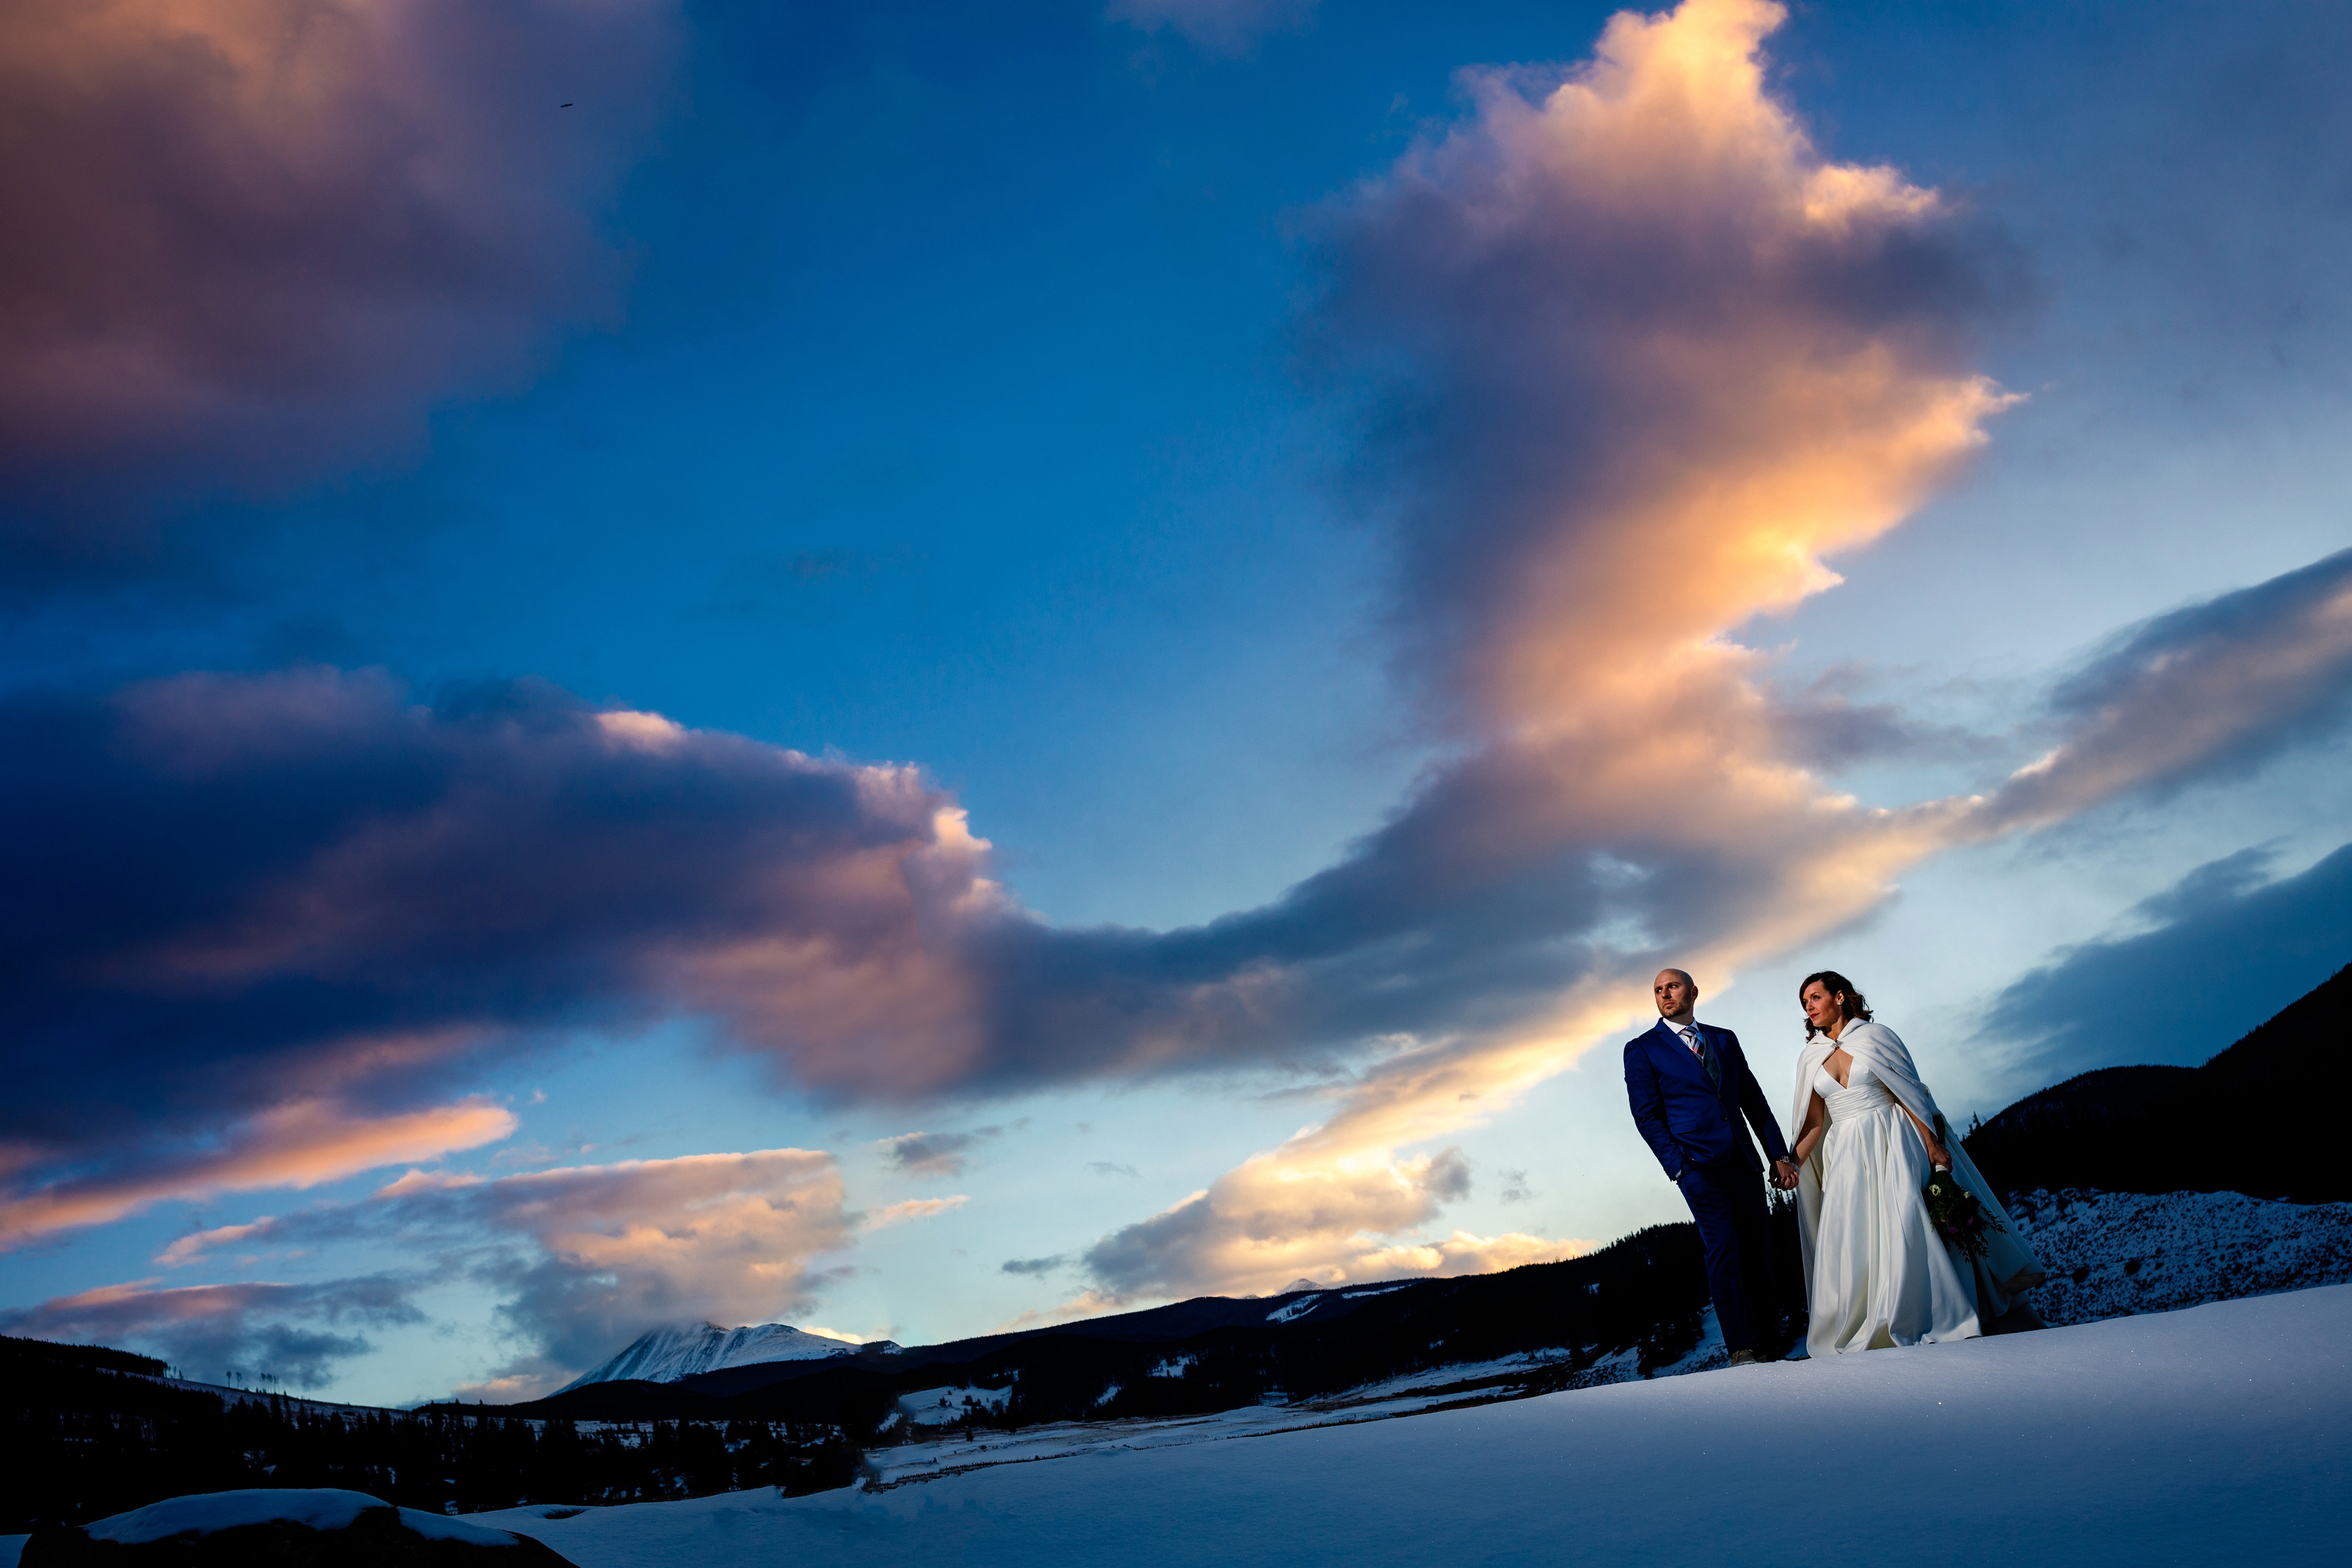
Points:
point(1877, 1272)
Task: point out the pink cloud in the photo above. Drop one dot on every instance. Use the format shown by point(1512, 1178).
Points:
point(586, 1257)
point(262, 236)
point(301, 1144)
point(913, 1208)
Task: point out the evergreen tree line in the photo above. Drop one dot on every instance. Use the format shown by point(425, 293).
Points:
point(89, 1441)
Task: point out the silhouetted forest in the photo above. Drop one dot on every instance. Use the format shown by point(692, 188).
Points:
point(92, 1432)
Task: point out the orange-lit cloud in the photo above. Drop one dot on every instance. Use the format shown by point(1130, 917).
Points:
point(725, 1235)
point(1281, 1218)
point(197, 1246)
point(297, 1144)
point(586, 1258)
point(1668, 359)
point(913, 1208)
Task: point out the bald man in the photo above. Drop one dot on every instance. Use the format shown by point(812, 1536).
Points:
point(1689, 1086)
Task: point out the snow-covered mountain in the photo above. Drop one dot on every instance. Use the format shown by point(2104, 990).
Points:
point(674, 1350)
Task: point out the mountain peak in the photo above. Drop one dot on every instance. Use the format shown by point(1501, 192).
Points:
point(668, 1352)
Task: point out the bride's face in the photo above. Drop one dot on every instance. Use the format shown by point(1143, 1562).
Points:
point(1822, 1011)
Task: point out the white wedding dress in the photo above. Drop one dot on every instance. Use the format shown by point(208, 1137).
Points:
point(1878, 1274)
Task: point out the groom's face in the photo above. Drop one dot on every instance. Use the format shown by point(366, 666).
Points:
point(1675, 992)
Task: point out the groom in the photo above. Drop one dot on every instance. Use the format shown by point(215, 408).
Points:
point(1689, 1085)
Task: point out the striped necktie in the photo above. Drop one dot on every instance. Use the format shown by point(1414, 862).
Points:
point(1698, 1044)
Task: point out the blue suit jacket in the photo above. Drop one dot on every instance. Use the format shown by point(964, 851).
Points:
point(1687, 1121)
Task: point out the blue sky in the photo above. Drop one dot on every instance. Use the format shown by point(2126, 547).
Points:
point(1298, 502)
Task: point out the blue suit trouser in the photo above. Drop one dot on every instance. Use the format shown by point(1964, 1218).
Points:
point(1728, 1201)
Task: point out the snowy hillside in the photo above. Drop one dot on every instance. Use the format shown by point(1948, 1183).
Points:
point(674, 1350)
point(2216, 1434)
point(2111, 1254)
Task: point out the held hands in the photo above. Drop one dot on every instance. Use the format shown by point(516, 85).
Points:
point(1784, 1174)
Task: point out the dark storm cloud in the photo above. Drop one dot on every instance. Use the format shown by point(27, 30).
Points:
point(259, 926)
point(2227, 950)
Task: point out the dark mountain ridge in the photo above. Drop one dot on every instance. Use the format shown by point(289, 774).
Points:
point(2221, 1127)
point(1645, 1293)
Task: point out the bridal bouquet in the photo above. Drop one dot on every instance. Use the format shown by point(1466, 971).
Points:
point(1958, 1217)
point(1955, 1213)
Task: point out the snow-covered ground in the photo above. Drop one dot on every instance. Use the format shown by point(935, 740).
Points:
point(320, 1509)
point(947, 1405)
point(2115, 1253)
point(2221, 1433)
point(1414, 1394)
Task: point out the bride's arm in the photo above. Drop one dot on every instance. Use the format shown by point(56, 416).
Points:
point(1810, 1133)
point(1936, 1153)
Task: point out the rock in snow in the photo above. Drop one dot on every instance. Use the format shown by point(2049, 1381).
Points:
point(2219, 1433)
point(291, 1526)
point(674, 1350)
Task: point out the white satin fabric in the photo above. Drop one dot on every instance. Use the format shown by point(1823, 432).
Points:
point(1879, 1275)
point(1871, 1283)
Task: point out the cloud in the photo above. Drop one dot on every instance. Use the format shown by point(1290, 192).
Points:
point(913, 1208)
point(198, 1245)
point(935, 1154)
point(297, 906)
point(1218, 27)
point(2225, 948)
point(1464, 1253)
point(1653, 359)
point(250, 1330)
point(1034, 1266)
point(1278, 1218)
point(301, 1144)
point(2214, 689)
point(615, 1249)
point(1105, 1168)
point(273, 232)
point(586, 1258)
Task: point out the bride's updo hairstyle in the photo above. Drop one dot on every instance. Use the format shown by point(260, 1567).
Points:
point(1838, 985)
